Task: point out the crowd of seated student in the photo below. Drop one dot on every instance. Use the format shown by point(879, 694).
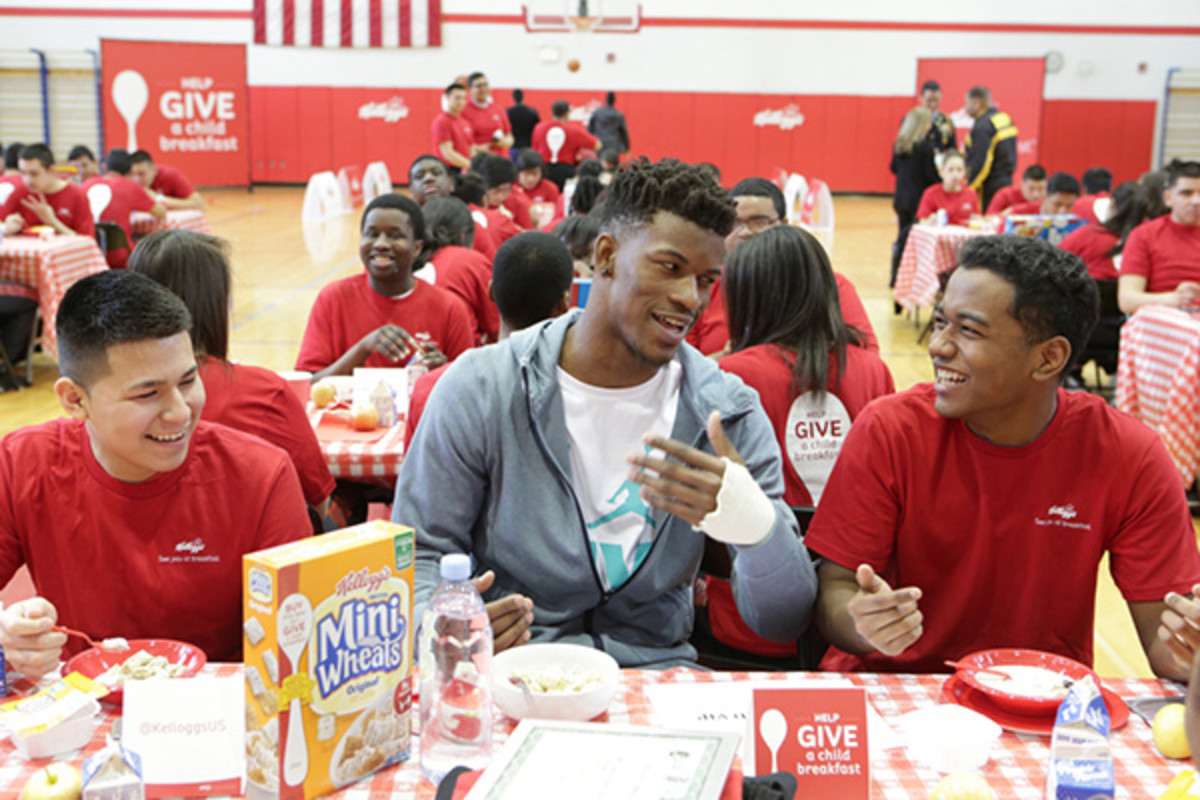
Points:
point(1100, 243)
point(125, 196)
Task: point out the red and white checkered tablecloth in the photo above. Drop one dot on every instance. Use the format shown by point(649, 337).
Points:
point(1016, 769)
point(1158, 380)
point(371, 462)
point(930, 252)
point(142, 224)
point(49, 267)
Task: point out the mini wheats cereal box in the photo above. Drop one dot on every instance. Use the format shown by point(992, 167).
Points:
point(328, 654)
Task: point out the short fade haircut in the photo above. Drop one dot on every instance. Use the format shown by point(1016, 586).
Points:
point(1181, 169)
point(423, 157)
point(497, 171)
point(645, 188)
point(1096, 180)
point(1063, 182)
point(531, 273)
point(1034, 172)
point(1053, 295)
point(195, 266)
point(12, 155)
point(81, 151)
point(518, 95)
point(38, 152)
point(118, 161)
point(110, 308)
point(469, 188)
point(930, 86)
point(980, 93)
point(399, 202)
point(454, 86)
point(140, 157)
point(474, 76)
point(761, 187)
point(560, 108)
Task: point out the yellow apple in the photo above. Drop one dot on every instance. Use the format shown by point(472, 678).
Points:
point(56, 782)
point(324, 393)
point(962, 786)
point(364, 418)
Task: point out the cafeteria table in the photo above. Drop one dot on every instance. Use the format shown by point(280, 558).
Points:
point(49, 267)
point(1158, 380)
point(931, 252)
point(142, 224)
point(375, 462)
point(1016, 769)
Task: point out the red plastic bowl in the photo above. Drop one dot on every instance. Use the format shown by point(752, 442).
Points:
point(95, 662)
point(1020, 703)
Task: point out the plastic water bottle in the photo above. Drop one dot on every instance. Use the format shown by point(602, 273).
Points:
point(455, 660)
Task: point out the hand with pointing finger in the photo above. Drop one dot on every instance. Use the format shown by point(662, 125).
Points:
point(887, 618)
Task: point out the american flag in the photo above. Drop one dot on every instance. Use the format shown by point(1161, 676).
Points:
point(348, 23)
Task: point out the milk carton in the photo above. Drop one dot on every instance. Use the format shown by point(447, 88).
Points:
point(1081, 766)
point(328, 652)
point(114, 773)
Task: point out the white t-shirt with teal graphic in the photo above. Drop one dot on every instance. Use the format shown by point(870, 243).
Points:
point(604, 426)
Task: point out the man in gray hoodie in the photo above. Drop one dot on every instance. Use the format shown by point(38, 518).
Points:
point(583, 461)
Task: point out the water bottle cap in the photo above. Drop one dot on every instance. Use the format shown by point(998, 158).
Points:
point(456, 567)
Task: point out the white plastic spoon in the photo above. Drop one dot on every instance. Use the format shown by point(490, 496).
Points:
point(295, 624)
point(130, 94)
point(772, 726)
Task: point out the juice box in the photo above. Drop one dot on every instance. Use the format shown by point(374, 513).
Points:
point(328, 656)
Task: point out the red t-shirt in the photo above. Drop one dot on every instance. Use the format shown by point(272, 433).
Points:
point(69, 203)
point(1164, 252)
point(499, 227)
point(9, 184)
point(810, 431)
point(1007, 197)
point(711, 331)
point(484, 122)
point(1085, 206)
point(417, 399)
point(518, 206)
point(1034, 207)
point(482, 242)
point(572, 139)
point(466, 274)
point(1092, 243)
point(349, 309)
point(170, 182)
point(160, 559)
point(1004, 542)
point(544, 192)
point(457, 131)
point(257, 401)
point(959, 205)
point(127, 196)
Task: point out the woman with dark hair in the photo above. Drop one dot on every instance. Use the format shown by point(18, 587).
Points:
point(578, 232)
point(448, 261)
point(1098, 244)
point(195, 266)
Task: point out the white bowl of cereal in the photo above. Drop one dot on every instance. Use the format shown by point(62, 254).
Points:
point(554, 681)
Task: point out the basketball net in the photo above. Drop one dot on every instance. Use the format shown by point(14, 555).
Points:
point(582, 24)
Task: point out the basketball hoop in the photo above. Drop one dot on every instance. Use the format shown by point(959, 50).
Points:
point(582, 24)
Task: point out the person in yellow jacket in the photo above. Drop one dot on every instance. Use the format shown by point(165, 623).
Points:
point(991, 146)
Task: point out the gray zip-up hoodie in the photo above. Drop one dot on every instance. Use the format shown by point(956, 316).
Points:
point(489, 474)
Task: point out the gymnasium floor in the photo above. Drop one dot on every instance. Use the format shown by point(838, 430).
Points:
point(279, 267)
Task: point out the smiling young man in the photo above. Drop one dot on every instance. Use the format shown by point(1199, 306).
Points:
point(542, 455)
point(132, 514)
point(973, 512)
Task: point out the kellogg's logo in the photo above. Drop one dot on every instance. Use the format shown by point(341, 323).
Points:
point(785, 118)
point(262, 587)
point(392, 110)
point(194, 546)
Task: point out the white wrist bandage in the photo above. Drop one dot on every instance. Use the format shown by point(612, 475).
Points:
point(744, 514)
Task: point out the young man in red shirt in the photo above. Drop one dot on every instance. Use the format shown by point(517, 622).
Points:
point(1031, 190)
point(384, 316)
point(499, 176)
point(428, 177)
point(173, 188)
point(1161, 261)
point(1061, 193)
point(489, 123)
point(471, 189)
point(973, 512)
point(562, 143)
point(132, 514)
point(1094, 205)
point(43, 198)
point(530, 181)
point(124, 197)
point(453, 136)
point(951, 195)
point(88, 166)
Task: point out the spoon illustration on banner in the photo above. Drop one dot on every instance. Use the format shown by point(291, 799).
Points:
point(130, 94)
point(772, 726)
point(295, 624)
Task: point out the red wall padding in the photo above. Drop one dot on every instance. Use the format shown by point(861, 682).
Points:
point(844, 140)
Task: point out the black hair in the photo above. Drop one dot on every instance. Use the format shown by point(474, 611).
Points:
point(529, 158)
point(118, 161)
point(930, 86)
point(761, 187)
point(1181, 169)
point(1063, 182)
point(447, 222)
point(578, 232)
point(980, 93)
point(1096, 180)
point(194, 266)
point(609, 155)
point(140, 157)
point(474, 76)
point(401, 203)
point(38, 152)
point(497, 171)
point(1053, 295)
point(610, 99)
point(1155, 182)
point(712, 169)
point(1130, 204)
point(518, 95)
point(469, 188)
point(110, 308)
point(12, 155)
point(587, 193)
point(560, 108)
point(531, 273)
point(478, 160)
point(81, 151)
point(1034, 172)
point(589, 168)
point(644, 188)
point(780, 289)
point(420, 158)
point(453, 86)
